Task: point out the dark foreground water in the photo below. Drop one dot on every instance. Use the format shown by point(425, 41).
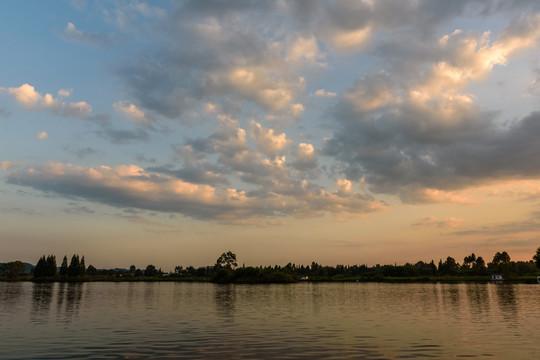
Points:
point(313, 321)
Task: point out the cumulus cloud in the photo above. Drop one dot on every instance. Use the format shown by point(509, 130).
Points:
point(305, 157)
point(132, 112)
point(27, 96)
point(129, 186)
point(267, 140)
point(422, 137)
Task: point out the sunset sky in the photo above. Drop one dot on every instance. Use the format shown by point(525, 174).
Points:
point(349, 132)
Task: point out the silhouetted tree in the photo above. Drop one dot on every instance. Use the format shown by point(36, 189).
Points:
point(14, 269)
point(91, 270)
point(536, 258)
point(64, 271)
point(46, 266)
point(39, 270)
point(479, 267)
point(150, 271)
point(82, 267)
point(74, 268)
point(501, 262)
point(226, 261)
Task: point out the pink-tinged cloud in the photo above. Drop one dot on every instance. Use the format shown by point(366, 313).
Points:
point(133, 187)
point(27, 96)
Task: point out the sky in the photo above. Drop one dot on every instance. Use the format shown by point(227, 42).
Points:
point(349, 132)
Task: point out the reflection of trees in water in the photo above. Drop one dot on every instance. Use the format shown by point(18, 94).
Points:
point(69, 298)
point(10, 293)
point(451, 297)
point(225, 298)
point(478, 297)
point(130, 295)
point(42, 296)
point(150, 294)
point(506, 298)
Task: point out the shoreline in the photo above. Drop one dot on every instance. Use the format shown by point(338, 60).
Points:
point(315, 279)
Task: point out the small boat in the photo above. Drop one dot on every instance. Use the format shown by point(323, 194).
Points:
point(497, 278)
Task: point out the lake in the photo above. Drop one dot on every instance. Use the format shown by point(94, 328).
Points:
point(168, 320)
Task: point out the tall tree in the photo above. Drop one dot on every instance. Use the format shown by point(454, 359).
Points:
point(82, 267)
point(39, 270)
point(64, 270)
point(50, 266)
point(73, 269)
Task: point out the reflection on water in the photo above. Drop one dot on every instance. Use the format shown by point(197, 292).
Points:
point(42, 298)
point(225, 298)
point(307, 320)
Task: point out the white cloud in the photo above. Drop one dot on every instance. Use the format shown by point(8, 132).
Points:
point(71, 33)
point(325, 93)
point(27, 96)
point(132, 112)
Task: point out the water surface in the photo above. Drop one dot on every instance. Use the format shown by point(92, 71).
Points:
point(170, 320)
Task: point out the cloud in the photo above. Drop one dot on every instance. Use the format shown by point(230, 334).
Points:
point(30, 99)
point(77, 209)
point(71, 33)
point(433, 221)
point(267, 140)
point(42, 135)
point(131, 111)
point(10, 165)
point(423, 138)
point(123, 136)
point(325, 93)
point(305, 157)
point(81, 153)
point(151, 226)
point(506, 228)
point(129, 186)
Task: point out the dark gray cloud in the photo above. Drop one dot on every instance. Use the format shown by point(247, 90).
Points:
point(408, 152)
point(81, 153)
point(123, 136)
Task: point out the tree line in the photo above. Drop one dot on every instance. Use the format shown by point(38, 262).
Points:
point(226, 269)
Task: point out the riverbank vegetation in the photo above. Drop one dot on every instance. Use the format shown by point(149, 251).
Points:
point(226, 270)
